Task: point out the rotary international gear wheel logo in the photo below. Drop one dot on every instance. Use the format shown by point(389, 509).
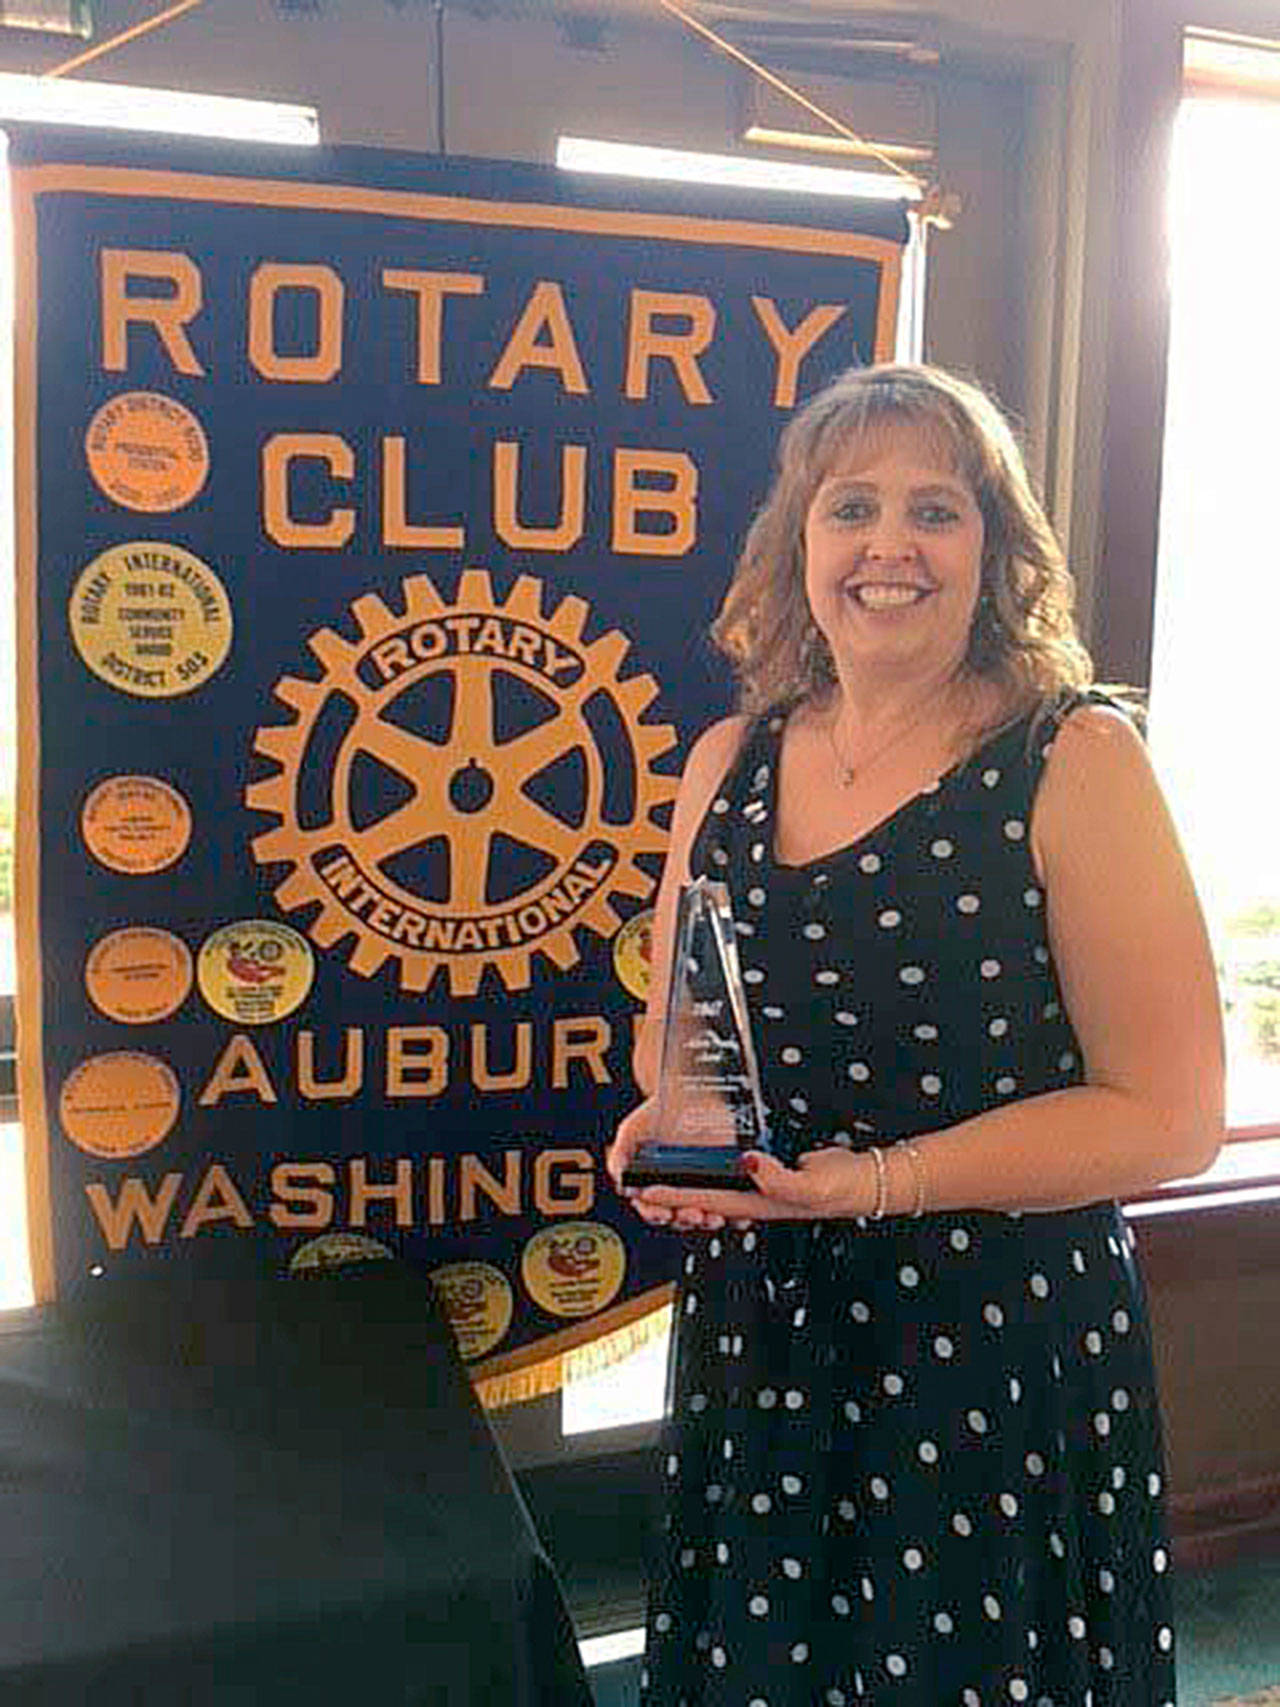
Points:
point(488, 784)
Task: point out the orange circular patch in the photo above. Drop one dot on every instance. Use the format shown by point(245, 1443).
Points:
point(136, 825)
point(117, 1106)
point(138, 975)
point(147, 452)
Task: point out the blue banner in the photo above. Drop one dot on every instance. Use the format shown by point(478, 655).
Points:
point(372, 511)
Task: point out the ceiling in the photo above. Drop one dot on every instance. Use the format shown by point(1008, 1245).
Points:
point(1011, 32)
point(718, 13)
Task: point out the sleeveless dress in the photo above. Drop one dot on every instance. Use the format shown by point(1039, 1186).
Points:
point(917, 1462)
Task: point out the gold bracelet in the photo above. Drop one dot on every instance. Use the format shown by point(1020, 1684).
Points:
point(917, 1166)
point(882, 1185)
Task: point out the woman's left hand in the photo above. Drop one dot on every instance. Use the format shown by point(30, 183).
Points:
point(830, 1184)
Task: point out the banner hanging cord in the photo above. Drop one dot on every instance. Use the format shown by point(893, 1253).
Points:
point(131, 34)
point(934, 207)
point(441, 144)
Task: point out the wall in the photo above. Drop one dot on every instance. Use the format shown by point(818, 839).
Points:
point(1214, 1283)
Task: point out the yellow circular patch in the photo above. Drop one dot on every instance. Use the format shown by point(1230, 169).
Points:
point(479, 1303)
point(147, 452)
point(151, 619)
point(117, 1106)
point(136, 825)
point(138, 975)
point(574, 1269)
point(335, 1250)
point(633, 955)
point(255, 971)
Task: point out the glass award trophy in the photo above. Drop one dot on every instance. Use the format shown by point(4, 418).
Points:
point(710, 1109)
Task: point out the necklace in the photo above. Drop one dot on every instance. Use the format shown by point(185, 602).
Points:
point(849, 773)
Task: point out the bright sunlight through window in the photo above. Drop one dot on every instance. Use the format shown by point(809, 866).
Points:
point(1218, 589)
point(15, 1268)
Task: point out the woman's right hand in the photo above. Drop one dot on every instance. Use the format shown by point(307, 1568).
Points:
point(632, 1131)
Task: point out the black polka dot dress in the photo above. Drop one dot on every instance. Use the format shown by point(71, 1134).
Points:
point(917, 1462)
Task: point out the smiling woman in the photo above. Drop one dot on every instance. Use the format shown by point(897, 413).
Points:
point(951, 873)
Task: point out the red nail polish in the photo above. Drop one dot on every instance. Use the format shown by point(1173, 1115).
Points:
point(751, 1164)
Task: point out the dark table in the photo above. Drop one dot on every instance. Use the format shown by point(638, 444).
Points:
point(235, 1487)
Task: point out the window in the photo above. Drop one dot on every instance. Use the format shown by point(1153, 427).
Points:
point(15, 1268)
point(1218, 591)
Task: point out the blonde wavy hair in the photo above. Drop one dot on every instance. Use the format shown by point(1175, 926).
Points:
point(1023, 636)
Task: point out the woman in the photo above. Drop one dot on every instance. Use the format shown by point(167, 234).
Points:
point(914, 1453)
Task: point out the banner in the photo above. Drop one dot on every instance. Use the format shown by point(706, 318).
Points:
point(371, 514)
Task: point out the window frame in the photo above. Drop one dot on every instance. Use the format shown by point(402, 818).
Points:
point(8, 1062)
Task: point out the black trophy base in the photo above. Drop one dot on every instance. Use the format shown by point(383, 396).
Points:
point(697, 1166)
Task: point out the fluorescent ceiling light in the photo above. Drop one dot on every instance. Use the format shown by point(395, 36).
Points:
point(66, 17)
point(827, 142)
point(121, 106)
point(628, 160)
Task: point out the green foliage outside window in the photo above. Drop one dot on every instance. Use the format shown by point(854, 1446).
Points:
point(1263, 981)
point(1262, 920)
